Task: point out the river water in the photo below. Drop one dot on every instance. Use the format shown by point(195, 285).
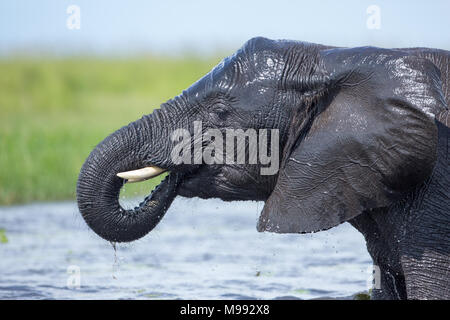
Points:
point(202, 249)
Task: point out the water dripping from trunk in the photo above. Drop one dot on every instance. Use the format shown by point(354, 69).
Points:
point(115, 266)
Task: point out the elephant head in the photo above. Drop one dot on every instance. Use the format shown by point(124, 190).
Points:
point(355, 131)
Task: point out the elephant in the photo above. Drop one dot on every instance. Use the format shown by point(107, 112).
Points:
point(363, 138)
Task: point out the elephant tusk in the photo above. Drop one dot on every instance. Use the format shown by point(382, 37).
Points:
point(141, 174)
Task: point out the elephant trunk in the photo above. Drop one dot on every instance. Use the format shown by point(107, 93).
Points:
point(99, 186)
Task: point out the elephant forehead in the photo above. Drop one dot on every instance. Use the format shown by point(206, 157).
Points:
point(223, 76)
point(258, 72)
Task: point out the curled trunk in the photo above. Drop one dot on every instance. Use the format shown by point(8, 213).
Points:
point(98, 186)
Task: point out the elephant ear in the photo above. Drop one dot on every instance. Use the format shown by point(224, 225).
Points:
point(373, 139)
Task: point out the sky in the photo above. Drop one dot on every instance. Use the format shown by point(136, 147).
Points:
point(113, 27)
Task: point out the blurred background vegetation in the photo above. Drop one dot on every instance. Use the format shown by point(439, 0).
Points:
point(54, 111)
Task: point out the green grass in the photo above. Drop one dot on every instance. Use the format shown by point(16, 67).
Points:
point(3, 237)
point(53, 112)
point(362, 296)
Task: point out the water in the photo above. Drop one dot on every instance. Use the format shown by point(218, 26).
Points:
point(200, 250)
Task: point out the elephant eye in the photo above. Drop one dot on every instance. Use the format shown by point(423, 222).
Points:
point(220, 110)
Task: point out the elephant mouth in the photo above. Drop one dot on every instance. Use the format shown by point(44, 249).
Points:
point(179, 181)
point(160, 193)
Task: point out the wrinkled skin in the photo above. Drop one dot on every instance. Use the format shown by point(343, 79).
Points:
point(363, 138)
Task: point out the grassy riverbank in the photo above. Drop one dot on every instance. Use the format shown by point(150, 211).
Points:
point(53, 112)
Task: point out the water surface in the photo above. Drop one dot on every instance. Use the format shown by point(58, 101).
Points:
point(200, 250)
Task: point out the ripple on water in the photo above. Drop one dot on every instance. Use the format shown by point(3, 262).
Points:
point(201, 250)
